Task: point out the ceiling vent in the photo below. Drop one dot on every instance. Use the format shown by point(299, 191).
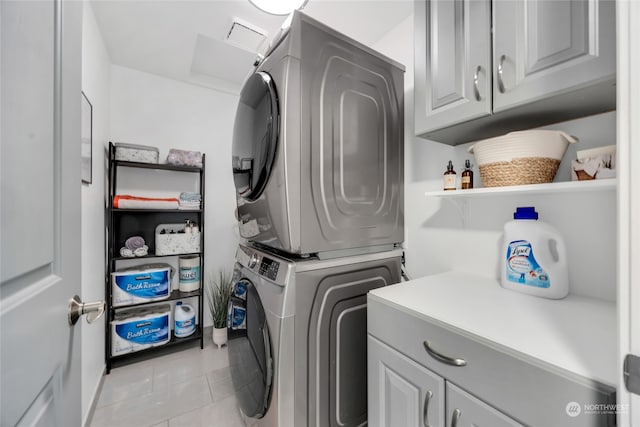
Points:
point(246, 36)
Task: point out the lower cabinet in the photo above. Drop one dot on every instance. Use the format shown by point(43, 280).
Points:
point(422, 372)
point(464, 410)
point(405, 393)
point(402, 392)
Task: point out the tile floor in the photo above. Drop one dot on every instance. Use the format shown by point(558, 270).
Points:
point(188, 388)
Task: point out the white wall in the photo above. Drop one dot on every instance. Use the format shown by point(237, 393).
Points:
point(95, 85)
point(444, 235)
point(151, 110)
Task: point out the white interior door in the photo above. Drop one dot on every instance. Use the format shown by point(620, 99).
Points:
point(40, 95)
point(628, 200)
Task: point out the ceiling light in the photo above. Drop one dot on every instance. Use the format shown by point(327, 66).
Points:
point(279, 7)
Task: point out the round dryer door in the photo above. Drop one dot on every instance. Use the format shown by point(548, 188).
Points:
point(249, 346)
point(255, 135)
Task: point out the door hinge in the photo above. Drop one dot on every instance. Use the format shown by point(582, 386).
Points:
point(631, 373)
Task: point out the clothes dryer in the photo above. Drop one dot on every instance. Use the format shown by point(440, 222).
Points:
point(297, 333)
point(318, 144)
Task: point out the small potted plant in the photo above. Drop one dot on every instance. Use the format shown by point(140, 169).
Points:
point(218, 293)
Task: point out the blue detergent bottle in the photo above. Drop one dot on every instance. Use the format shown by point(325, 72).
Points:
point(535, 260)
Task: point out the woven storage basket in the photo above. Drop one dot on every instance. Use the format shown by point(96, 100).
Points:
point(518, 158)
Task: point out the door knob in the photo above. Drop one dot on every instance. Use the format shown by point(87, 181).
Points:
point(93, 310)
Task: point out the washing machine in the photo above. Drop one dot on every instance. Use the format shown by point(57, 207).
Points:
point(318, 144)
point(297, 332)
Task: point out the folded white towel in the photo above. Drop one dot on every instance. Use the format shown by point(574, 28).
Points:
point(591, 166)
point(189, 207)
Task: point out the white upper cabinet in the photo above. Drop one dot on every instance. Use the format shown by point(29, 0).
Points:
point(544, 48)
point(545, 61)
point(455, 62)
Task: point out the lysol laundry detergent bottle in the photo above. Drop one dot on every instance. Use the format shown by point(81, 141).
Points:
point(185, 320)
point(535, 259)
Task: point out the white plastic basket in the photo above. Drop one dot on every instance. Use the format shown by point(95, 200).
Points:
point(176, 243)
point(136, 153)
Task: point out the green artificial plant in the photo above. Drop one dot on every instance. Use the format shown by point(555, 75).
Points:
point(218, 294)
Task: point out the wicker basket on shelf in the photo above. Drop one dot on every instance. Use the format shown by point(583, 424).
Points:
point(519, 158)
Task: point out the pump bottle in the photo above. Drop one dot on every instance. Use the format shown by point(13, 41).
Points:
point(466, 182)
point(450, 177)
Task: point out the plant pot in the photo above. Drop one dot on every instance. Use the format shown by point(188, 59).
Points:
point(219, 336)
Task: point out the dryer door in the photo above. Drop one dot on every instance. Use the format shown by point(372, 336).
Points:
point(249, 346)
point(255, 135)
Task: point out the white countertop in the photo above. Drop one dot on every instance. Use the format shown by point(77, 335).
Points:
point(577, 334)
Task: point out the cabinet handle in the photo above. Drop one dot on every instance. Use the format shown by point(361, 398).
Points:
point(425, 410)
point(442, 358)
point(455, 417)
point(476, 92)
point(500, 81)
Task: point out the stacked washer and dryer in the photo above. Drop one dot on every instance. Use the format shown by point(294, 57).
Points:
point(318, 170)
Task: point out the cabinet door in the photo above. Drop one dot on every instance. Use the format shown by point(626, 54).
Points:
point(401, 392)
point(548, 47)
point(464, 410)
point(452, 62)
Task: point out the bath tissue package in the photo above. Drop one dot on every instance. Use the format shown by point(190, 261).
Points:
point(137, 329)
point(143, 285)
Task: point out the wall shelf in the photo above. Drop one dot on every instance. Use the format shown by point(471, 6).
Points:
point(550, 188)
point(157, 211)
point(153, 255)
point(174, 296)
point(123, 359)
point(156, 166)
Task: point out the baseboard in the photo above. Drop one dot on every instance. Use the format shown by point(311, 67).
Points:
point(94, 399)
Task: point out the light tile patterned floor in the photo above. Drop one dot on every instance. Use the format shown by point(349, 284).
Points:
point(186, 388)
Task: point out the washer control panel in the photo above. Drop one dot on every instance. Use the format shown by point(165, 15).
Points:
point(269, 268)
